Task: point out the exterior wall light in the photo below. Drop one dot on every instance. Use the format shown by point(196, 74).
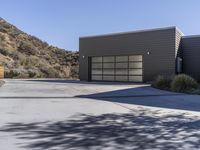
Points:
point(83, 56)
point(148, 53)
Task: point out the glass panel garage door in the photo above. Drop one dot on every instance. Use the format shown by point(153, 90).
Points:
point(117, 68)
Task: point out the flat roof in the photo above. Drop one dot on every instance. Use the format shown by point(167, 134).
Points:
point(137, 31)
point(191, 36)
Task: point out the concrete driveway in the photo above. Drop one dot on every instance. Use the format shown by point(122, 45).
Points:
point(71, 115)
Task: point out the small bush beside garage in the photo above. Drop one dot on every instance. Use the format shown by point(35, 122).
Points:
point(179, 83)
point(183, 83)
point(162, 82)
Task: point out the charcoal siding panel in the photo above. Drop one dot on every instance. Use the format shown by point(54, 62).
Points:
point(190, 53)
point(160, 44)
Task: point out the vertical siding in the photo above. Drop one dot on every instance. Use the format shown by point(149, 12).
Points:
point(160, 43)
point(191, 56)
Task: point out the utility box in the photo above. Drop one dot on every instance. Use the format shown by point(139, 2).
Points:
point(1, 71)
point(179, 65)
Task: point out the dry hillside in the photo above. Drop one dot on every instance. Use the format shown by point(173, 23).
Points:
point(26, 56)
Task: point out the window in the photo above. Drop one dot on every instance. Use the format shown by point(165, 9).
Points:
point(96, 59)
point(96, 77)
point(121, 58)
point(135, 58)
point(109, 59)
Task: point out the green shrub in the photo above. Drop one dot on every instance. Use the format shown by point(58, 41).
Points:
point(4, 52)
point(50, 72)
point(31, 74)
point(183, 83)
point(2, 38)
point(31, 61)
point(11, 74)
point(162, 82)
point(27, 48)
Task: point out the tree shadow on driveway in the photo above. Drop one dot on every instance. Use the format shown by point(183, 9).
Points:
point(143, 129)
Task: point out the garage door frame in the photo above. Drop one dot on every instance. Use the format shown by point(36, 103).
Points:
point(128, 75)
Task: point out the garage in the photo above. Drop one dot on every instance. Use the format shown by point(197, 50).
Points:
point(136, 56)
point(117, 68)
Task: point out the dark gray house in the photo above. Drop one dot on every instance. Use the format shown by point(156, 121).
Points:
point(139, 56)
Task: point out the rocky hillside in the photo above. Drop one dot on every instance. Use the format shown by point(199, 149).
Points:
point(26, 56)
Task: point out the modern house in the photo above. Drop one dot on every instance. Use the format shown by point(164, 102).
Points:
point(139, 56)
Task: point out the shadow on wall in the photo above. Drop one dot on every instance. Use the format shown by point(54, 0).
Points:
point(140, 131)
